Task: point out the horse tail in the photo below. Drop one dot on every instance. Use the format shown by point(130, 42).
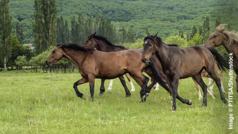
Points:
point(222, 63)
point(157, 76)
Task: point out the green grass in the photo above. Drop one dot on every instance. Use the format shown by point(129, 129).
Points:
point(47, 103)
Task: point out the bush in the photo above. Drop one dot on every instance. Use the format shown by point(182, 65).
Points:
point(21, 61)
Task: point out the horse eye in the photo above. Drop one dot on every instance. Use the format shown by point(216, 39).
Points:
point(53, 52)
point(214, 36)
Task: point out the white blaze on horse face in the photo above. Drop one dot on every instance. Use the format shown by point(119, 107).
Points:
point(146, 41)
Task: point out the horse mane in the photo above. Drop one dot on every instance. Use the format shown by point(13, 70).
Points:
point(108, 42)
point(75, 47)
point(173, 45)
point(232, 35)
point(158, 39)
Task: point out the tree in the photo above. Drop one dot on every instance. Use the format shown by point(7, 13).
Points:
point(131, 35)
point(18, 49)
point(176, 40)
point(66, 32)
point(74, 30)
point(21, 61)
point(196, 40)
point(44, 25)
point(124, 36)
point(206, 29)
point(194, 31)
point(218, 21)
point(19, 32)
point(5, 31)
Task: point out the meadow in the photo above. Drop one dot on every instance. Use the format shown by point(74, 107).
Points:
point(47, 103)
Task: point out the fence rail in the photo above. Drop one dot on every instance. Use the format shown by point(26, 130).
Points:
point(44, 68)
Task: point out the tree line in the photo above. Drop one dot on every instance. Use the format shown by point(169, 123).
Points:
point(50, 30)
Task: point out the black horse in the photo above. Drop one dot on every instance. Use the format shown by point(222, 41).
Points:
point(179, 63)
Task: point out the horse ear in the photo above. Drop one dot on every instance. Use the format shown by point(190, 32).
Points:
point(148, 34)
point(221, 28)
point(156, 34)
point(94, 34)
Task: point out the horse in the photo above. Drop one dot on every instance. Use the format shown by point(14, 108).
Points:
point(110, 48)
point(229, 40)
point(204, 74)
point(101, 43)
point(94, 64)
point(179, 63)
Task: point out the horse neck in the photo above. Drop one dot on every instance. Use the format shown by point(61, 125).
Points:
point(103, 46)
point(231, 48)
point(76, 56)
point(162, 52)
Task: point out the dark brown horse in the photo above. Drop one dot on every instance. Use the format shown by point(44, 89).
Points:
point(179, 63)
point(229, 40)
point(97, 64)
point(102, 43)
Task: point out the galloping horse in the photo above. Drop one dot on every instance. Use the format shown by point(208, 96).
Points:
point(179, 63)
point(109, 48)
point(105, 65)
point(229, 40)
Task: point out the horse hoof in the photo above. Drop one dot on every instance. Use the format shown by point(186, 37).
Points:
point(189, 102)
point(92, 99)
point(225, 101)
point(101, 93)
point(143, 99)
point(128, 95)
point(173, 108)
point(83, 97)
point(204, 105)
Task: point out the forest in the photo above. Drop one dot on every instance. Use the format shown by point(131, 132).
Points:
point(122, 22)
point(167, 17)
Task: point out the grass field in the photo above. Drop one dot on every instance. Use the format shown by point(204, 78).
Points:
point(47, 103)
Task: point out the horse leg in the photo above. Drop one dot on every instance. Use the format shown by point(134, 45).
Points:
point(237, 83)
point(91, 85)
point(198, 89)
point(142, 81)
point(102, 88)
point(222, 87)
point(218, 83)
point(174, 85)
point(156, 87)
point(110, 85)
point(148, 71)
point(199, 80)
point(128, 78)
point(210, 89)
point(123, 82)
point(79, 82)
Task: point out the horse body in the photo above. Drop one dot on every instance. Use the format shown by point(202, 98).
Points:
point(181, 63)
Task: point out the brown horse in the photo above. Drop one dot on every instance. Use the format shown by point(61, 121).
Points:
point(97, 64)
point(229, 40)
point(109, 48)
point(179, 63)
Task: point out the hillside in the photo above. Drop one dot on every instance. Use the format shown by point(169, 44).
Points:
point(164, 16)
